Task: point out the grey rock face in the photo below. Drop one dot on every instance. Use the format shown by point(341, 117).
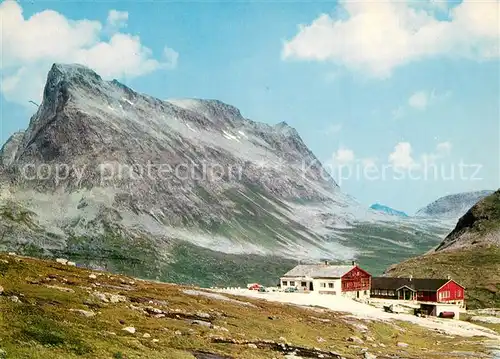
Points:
point(454, 205)
point(9, 149)
point(105, 172)
point(116, 160)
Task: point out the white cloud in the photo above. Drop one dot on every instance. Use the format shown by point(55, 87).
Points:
point(171, 57)
point(401, 157)
point(30, 46)
point(378, 36)
point(117, 19)
point(419, 100)
point(342, 156)
point(443, 150)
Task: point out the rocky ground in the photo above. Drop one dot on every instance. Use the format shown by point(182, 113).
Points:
point(58, 310)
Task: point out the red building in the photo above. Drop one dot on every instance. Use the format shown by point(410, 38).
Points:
point(419, 289)
point(346, 280)
point(356, 280)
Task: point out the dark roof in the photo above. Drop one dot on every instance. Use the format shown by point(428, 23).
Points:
point(413, 283)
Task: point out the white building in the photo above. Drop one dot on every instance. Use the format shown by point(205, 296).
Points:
point(346, 280)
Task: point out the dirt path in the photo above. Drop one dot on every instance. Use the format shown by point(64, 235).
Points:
point(365, 311)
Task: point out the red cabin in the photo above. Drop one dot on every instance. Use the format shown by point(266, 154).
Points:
point(419, 289)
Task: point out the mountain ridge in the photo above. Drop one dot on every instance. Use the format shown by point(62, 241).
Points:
point(270, 197)
point(453, 205)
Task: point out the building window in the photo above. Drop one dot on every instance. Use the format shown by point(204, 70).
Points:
point(365, 292)
point(330, 285)
point(285, 283)
point(303, 284)
point(292, 283)
point(322, 285)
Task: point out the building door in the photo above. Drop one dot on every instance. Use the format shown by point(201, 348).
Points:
point(311, 286)
point(357, 294)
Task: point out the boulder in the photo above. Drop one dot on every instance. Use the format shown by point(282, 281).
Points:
point(202, 323)
point(62, 260)
point(130, 330)
point(85, 313)
point(116, 298)
point(203, 315)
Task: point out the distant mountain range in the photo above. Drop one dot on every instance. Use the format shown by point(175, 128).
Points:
point(454, 205)
point(388, 210)
point(470, 254)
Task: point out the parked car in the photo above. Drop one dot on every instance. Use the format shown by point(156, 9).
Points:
point(291, 290)
point(262, 289)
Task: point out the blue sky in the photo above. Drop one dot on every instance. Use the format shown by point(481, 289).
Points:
point(357, 91)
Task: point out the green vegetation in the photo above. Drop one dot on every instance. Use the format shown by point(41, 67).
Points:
point(477, 268)
point(487, 214)
point(383, 245)
point(44, 323)
point(203, 267)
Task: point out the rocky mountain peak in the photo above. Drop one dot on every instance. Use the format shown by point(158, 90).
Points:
point(286, 130)
point(61, 77)
point(69, 71)
point(85, 122)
